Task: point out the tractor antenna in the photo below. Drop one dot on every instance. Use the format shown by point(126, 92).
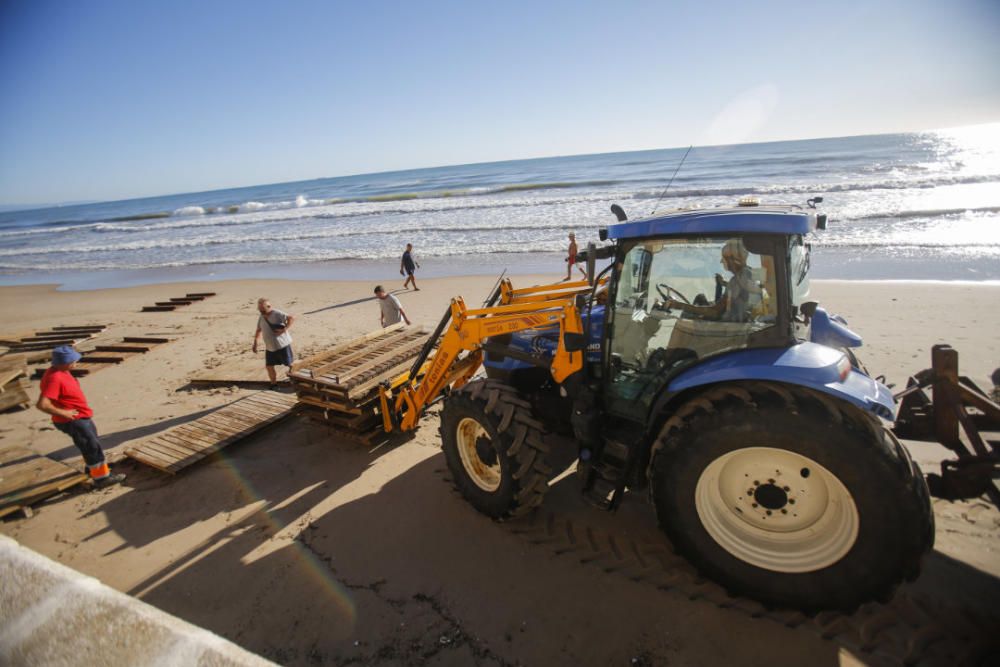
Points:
point(672, 178)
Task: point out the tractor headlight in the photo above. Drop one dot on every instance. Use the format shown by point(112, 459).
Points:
point(843, 367)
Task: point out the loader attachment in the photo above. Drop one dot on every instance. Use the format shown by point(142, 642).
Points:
point(955, 402)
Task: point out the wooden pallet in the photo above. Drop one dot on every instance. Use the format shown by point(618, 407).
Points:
point(340, 386)
point(352, 369)
point(179, 447)
point(176, 302)
point(27, 478)
point(371, 435)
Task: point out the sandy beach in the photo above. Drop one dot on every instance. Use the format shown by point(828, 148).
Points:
point(307, 549)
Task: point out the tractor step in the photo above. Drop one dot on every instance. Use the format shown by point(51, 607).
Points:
point(605, 482)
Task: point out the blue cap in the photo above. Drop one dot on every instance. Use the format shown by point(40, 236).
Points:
point(64, 354)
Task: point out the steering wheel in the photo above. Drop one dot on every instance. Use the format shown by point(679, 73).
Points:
point(666, 290)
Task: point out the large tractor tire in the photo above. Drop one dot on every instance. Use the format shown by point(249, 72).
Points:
point(494, 448)
point(790, 497)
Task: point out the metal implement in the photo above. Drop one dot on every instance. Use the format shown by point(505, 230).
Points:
point(955, 401)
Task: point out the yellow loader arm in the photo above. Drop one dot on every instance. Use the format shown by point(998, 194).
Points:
point(464, 330)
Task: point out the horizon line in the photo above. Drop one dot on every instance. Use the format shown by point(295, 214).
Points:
point(20, 207)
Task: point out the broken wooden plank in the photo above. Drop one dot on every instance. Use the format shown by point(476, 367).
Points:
point(15, 395)
point(12, 366)
point(26, 478)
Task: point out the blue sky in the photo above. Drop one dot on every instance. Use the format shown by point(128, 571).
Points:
point(113, 99)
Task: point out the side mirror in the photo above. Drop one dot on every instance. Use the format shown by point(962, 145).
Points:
point(619, 213)
point(591, 261)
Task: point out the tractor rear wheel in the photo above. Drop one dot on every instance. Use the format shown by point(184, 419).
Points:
point(494, 448)
point(790, 497)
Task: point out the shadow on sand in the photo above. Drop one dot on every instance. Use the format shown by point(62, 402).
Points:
point(272, 545)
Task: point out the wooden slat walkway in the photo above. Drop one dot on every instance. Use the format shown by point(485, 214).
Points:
point(26, 478)
point(183, 445)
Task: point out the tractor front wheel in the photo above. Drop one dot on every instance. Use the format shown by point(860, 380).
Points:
point(790, 497)
point(494, 448)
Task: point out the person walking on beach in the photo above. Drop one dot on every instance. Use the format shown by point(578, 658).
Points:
point(273, 326)
point(62, 397)
point(571, 259)
point(408, 265)
point(390, 310)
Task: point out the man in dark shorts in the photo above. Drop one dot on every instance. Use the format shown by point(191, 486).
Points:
point(62, 397)
point(273, 326)
point(409, 265)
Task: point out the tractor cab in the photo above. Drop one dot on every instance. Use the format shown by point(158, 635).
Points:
point(694, 284)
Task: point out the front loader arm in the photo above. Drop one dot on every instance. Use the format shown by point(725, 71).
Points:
point(465, 330)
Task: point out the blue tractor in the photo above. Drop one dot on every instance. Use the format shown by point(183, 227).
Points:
point(711, 381)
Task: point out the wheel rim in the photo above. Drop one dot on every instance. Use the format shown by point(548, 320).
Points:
point(472, 438)
point(776, 509)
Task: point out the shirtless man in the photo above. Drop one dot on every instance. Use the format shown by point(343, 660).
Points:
point(571, 259)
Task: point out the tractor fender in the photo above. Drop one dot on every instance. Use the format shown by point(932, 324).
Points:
point(807, 364)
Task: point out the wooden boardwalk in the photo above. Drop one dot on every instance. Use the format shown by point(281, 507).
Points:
point(183, 445)
point(27, 477)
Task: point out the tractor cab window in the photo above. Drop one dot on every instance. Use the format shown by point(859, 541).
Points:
point(681, 300)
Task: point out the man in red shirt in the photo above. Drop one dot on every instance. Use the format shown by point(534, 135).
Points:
point(62, 397)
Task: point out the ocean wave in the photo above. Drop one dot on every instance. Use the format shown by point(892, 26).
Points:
point(175, 243)
point(924, 213)
point(366, 255)
point(301, 201)
point(819, 188)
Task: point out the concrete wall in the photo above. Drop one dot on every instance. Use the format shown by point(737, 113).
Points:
point(52, 615)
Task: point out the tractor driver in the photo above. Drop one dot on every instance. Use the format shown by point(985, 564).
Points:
point(734, 305)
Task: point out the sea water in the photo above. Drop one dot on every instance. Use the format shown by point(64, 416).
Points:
point(903, 206)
